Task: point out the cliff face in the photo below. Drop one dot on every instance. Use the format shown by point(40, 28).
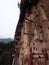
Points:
point(46, 7)
point(20, 34)
point(19, 26)
point(35, 34)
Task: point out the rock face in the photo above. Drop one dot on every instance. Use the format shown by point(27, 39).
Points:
point(46, 7)
point(32, 36)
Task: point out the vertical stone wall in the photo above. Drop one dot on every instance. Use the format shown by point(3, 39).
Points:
point(28, 36)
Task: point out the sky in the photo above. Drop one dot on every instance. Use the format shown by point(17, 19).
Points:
point(9, 16)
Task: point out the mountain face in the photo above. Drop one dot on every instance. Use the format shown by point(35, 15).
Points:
point(6, 40)
point(46, 7)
